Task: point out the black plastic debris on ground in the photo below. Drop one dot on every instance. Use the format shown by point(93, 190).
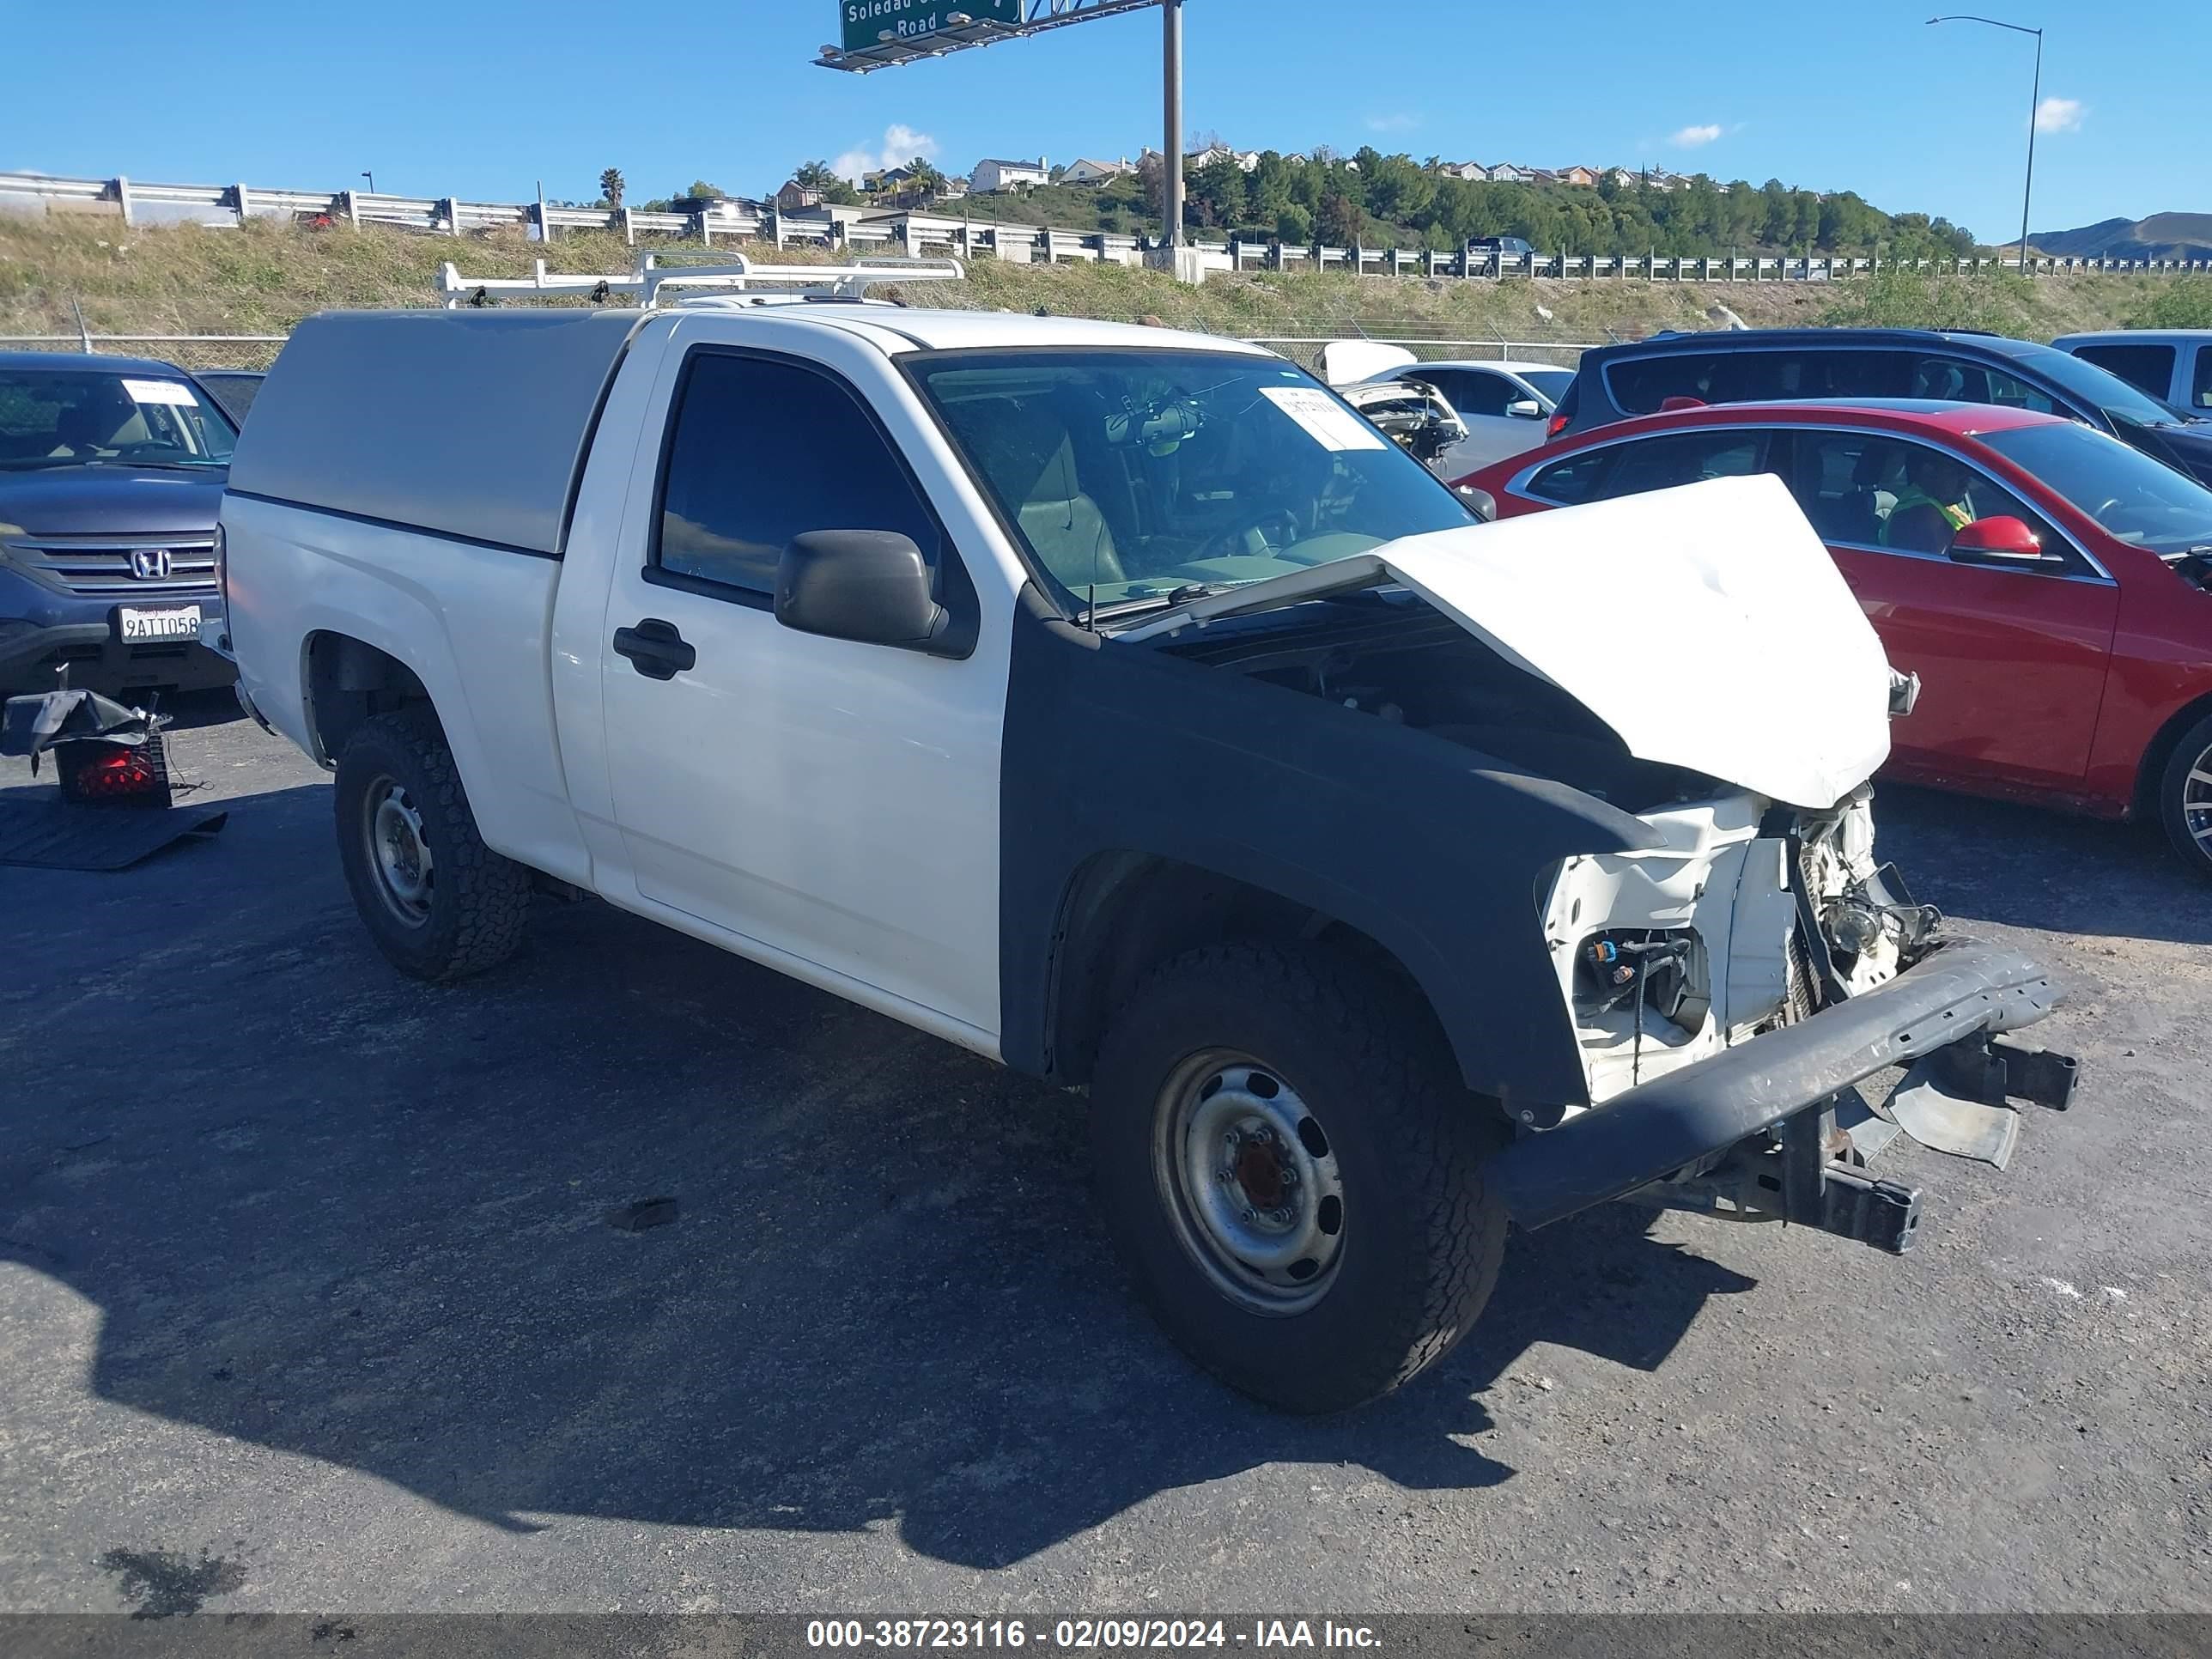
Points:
point(51, 834)
point(646, 1212)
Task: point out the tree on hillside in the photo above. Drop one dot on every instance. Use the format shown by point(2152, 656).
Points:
point(610, 187)
point(1397, 190)
point(817, 177)
point(1269, 187)
point(925, 180)
point(1340, 221)
point(1778, 220)
point(1218, 193)
point(1294, 225)
point(1153, 179)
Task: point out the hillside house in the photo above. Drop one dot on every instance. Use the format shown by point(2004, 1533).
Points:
point(1086, 171)
point(1246, 160)
point(994, 174)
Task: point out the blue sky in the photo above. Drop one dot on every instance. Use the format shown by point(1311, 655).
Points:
point(482, 100)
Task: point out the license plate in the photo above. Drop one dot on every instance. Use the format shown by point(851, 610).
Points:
point(175, 622)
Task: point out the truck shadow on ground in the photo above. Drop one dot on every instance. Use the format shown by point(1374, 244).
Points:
point(362, 1221)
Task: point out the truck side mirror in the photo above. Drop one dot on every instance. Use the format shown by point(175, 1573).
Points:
point(870, 586)
point(2001, 540)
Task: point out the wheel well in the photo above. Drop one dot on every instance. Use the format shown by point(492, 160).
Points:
point(349, 682)
point(1128, 913)
point(2161, 750)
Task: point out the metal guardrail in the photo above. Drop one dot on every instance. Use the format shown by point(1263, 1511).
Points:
point(915, 234)
point(1304, 349)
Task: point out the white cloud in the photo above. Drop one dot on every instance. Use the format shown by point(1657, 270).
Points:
point(901, 145)
point(2060, 115)
point(1691, 137)
point(1395, 121)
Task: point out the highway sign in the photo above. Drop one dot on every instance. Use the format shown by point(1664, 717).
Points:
point(868, 23)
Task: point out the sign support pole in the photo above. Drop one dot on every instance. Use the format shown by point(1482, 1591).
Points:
point(1171, 151)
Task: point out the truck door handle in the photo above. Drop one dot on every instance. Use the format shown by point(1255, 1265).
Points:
point(655, 649)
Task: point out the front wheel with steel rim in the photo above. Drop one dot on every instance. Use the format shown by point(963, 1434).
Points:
point(439, 903)
point(1293, 1172)
point(1250, 1180)
point(2184, 797)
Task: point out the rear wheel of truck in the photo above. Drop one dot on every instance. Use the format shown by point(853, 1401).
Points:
point(440, 904)
point(2184, 797)
point(1292, 1170)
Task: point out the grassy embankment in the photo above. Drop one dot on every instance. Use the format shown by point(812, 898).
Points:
point(263, 278)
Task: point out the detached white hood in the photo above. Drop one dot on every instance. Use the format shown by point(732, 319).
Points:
point(1706, 625)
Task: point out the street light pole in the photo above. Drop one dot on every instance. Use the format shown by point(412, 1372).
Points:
point(2035, 106)
point(372, 182)
point(1171, 153)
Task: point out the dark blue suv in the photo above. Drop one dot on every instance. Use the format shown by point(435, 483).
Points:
point(1763, 365)
point(111, 472)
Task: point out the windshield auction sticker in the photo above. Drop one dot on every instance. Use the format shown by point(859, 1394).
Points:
point(1326, 421)
point(159, 392)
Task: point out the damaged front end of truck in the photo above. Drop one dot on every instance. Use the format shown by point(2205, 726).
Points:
point(1738, 969)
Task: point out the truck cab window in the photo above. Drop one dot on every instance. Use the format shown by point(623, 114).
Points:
point(764, 451)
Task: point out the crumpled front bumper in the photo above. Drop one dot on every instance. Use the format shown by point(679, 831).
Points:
point(1963, 990)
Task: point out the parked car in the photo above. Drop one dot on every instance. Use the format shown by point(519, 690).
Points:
point(2174, 365)
point(1502, 405)
point(1117, 703)
point(1643, 377)
point(2062, 631)
point(1414, 416)
point(232, 389)
point(110, 470)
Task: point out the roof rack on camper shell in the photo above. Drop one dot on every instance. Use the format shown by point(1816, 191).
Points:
point(750, 283)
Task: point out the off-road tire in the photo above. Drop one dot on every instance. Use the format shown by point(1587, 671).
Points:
point(1422, 1237)
point(2173, 794)
point(479, 901)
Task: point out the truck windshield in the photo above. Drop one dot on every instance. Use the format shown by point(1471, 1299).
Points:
point(2131, 496)
point(91, 417)
point(1133, 475)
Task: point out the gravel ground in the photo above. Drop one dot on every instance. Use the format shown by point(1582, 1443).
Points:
point(308, 1300)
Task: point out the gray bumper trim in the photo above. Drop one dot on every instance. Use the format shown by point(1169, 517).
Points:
point(1962, 989)
point(19, 650)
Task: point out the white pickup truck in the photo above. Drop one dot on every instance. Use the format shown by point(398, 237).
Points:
point(1118, 704)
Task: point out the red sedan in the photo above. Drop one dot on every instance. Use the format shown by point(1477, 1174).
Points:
point(2048, 583)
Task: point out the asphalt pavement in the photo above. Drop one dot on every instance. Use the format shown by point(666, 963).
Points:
point(309, 1300)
